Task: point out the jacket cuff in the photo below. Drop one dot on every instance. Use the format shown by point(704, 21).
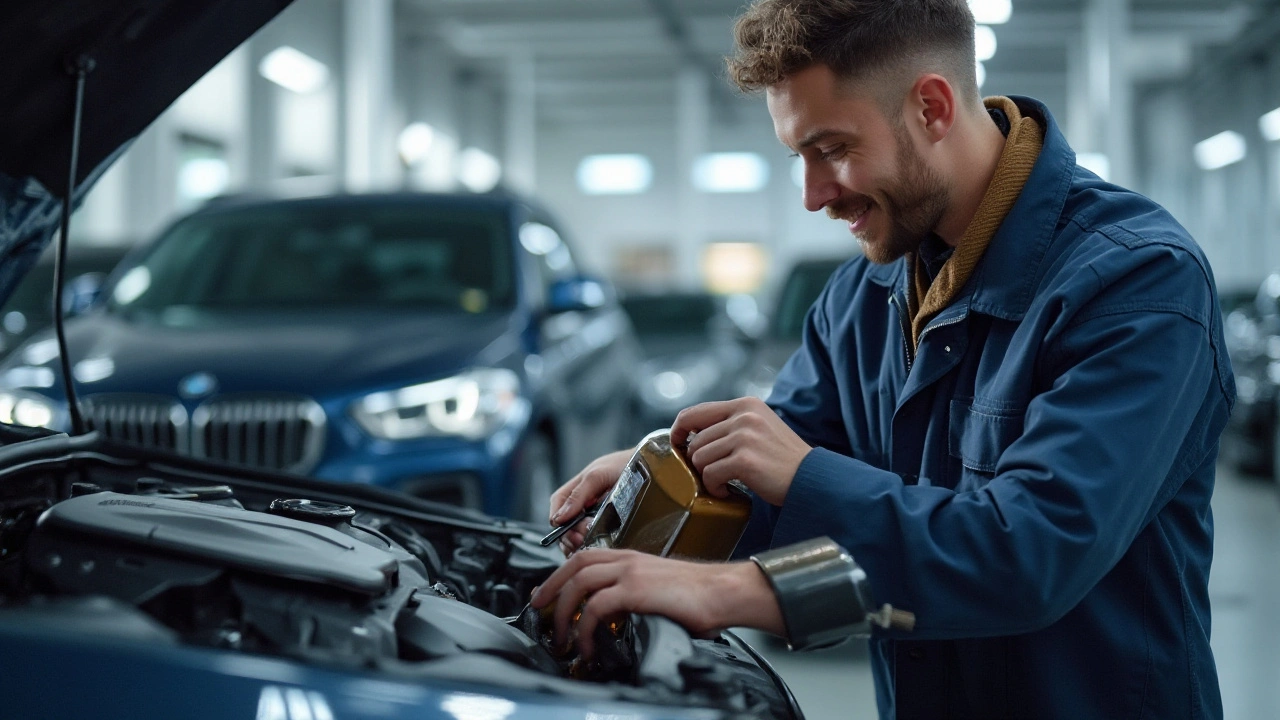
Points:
point(827, 480)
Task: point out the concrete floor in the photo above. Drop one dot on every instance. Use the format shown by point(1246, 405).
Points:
point(1245, 591)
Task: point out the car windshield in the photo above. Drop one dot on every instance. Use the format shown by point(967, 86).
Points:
point(667, 315)
point(326, 257)
point(802, 288)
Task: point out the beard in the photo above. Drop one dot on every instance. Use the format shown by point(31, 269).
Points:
point(914, 204)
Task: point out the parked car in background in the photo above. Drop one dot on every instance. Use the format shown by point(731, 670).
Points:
point(1252, 332)
point(30, 308)
point(443, 345)
point(803, 283)
point(694, 351)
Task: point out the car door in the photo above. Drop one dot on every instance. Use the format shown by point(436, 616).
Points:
point(587, 353)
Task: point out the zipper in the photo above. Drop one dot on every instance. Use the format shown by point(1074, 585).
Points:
point(957, 319)
point(905, 325)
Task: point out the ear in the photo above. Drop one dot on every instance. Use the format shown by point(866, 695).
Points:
point(932, 106)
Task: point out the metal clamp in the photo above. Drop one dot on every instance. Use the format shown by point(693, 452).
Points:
point(824, 595)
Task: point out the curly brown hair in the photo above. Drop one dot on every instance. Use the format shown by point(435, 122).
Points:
point(855, 38)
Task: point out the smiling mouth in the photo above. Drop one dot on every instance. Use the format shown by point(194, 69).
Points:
point(859, 212)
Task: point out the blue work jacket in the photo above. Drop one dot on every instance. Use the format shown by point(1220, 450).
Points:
point(1033, 482)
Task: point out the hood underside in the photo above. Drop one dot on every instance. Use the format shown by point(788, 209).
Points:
point(145, 53)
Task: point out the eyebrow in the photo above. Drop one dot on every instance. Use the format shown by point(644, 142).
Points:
point(816, 137)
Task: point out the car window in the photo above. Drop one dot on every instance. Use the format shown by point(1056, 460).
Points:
point(802, 288)
point(667, 315)
point(325, 257)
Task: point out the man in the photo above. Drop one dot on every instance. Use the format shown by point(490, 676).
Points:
point(1008, 411)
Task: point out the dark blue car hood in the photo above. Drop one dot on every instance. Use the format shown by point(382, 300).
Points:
point(320, 354)
point(145, 54)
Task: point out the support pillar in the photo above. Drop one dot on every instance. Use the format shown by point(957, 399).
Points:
point(521, 127)
point(692, 121)
point(368, 69)
point(1101, 112)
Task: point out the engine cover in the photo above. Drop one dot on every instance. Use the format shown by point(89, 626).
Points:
point(224, 536)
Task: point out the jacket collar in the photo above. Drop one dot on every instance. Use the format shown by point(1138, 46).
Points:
point(1005, 280)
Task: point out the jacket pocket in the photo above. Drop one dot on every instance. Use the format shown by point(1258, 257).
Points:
point(981, 431)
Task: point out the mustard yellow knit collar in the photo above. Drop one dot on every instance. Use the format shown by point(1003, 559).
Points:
point(924, 299)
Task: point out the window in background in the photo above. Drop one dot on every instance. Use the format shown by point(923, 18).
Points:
point(647, 268)
point(203, 171)
point(623, 174)
point(734, 267)
point(730, 172)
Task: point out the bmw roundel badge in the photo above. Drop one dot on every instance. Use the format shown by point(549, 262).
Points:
point(197, 385)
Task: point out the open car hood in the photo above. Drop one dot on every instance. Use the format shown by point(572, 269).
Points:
point(145, 54)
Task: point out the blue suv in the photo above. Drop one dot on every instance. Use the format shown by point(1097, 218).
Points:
point(443, 345)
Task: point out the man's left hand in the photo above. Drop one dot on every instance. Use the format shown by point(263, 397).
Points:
point(741, 440)
point(702, 597)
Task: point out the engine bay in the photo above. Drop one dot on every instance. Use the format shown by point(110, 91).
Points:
point(97, 539)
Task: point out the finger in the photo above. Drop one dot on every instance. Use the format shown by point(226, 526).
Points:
point(594, 483)
point(716, 476)
point(716, 451)
point(571, 541)
point(708, 435)
point(561, 494)
point(550, 587)
point(699, 417)
point(603, 606)
point(589, 580)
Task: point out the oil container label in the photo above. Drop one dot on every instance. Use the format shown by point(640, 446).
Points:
point(625, 492)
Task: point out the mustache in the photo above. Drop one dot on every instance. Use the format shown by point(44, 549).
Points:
point(845, 208)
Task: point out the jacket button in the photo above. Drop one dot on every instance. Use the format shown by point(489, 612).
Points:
point(947, 348)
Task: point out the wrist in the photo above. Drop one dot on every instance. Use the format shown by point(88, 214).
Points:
point(747, 599)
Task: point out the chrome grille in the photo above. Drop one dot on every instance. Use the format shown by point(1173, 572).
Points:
point(152, 421)
point(270, 432)
point(281, 433)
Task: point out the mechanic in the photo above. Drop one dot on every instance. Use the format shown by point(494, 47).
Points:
point(1007, 410)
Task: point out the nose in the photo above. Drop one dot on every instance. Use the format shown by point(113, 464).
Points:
point(818, 190)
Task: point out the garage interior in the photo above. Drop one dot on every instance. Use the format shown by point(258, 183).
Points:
point(617, 116)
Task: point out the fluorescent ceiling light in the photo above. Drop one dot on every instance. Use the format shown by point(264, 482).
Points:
point(415, 143)
point(730, 172)
point(981, 74)
point(797, 172)
point(614, 174)
point(1220, 150)
point(991, 12)
point(1099, 163)
point(984, 42)
point(1269, 124)
point(478, 170)
point(294, 69)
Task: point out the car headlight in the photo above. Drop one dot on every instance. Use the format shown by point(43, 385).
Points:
point(471, 405)
point(678, 385)
point(30, 409)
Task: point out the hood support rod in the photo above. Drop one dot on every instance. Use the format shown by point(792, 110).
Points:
point(79, 67)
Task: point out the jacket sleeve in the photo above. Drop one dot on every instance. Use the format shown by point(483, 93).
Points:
point(806, 397)
point(1121, 424)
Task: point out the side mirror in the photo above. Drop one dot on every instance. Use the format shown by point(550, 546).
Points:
point(82, 292)
point(576, 294)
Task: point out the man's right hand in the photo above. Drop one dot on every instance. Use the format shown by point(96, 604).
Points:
point(582, 491)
